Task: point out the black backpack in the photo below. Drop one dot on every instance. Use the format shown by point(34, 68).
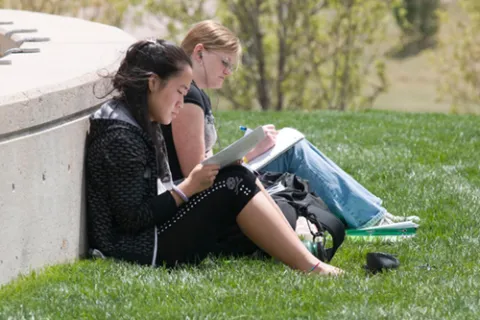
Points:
point(297, 200)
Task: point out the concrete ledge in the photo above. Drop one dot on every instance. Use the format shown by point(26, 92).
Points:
point(76, 53)
point(45, 102)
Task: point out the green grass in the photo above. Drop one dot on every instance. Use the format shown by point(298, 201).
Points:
point(421, 164)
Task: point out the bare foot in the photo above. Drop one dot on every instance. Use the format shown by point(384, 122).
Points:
point(328, 270)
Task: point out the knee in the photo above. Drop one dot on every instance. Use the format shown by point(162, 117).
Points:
point(296, 154)
point(237, 175)
point(237, 179)
point(301, 146)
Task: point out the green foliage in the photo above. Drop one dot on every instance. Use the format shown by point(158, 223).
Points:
point(298, 54)
point(459, 58)
point(419, 164)
point(104, 11)
point(418, 19)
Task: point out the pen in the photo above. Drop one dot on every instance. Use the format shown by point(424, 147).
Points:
point(245, 129)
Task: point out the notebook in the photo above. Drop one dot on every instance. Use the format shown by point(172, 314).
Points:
point(237, 150)
point(400, 229)
point(286, 138)
point(389, 233)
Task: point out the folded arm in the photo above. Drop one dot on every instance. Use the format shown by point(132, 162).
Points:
point(125, 160)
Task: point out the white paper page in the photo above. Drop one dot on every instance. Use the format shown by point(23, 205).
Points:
point(237, 150)
point(286, 138)
point(278, 187)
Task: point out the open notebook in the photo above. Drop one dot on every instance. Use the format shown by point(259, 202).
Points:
point(286, 138)
point(236, 150)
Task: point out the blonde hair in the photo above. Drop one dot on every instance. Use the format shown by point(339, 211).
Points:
point(214, 36)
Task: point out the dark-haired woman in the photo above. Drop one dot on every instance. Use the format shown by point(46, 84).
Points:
point(137, 214)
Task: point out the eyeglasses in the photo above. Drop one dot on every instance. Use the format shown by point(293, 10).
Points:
point(225, 62)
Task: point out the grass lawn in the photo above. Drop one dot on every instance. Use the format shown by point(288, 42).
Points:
point(420, 164)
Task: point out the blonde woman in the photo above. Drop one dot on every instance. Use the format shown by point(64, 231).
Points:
point(215, 52)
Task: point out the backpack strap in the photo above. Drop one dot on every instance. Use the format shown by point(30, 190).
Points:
point(307, 204)
point(329, 222)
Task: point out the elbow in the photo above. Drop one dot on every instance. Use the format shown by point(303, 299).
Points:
point(130, 222)
point(186, 171)
point(186, 168)
point(131, 227)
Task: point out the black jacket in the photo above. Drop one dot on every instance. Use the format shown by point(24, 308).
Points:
point(123, 208)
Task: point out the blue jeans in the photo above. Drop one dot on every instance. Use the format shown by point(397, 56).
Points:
point(343, 195)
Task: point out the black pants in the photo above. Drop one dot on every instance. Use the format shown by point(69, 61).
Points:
point(206, 224)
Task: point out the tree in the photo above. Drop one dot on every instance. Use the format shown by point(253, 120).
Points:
point(418, 19)
point(298, 54)
point(105, 11)
point(310, 54)
point(459, 58)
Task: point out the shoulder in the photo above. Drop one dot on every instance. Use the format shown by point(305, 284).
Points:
point(120, 141)
point(198, 97)
point(124, 133)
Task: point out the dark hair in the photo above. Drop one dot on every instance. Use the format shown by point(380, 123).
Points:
point(143, 59)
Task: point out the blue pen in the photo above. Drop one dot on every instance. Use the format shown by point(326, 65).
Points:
point(245, 129)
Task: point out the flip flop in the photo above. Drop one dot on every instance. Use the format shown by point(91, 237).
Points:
point(379, 261)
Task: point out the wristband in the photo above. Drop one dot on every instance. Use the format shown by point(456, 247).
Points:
point(245, 160)
point(180, 193)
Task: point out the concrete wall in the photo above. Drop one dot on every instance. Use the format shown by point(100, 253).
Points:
point(45, 100)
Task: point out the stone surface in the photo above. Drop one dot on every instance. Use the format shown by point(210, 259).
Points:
point(45, 101)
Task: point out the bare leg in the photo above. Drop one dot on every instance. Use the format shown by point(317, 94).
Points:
point(302, 228)
point(277, 208)
point(266, 226)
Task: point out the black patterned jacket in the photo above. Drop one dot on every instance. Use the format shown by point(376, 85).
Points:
point(123, 208)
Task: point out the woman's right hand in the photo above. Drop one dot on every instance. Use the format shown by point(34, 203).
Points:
point(266, 143)
point(202, 177)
